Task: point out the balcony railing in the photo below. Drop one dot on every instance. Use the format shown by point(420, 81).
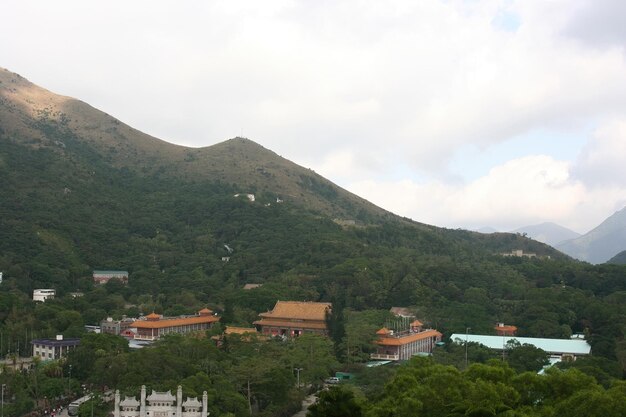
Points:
point(140, 337)
point(383, 357)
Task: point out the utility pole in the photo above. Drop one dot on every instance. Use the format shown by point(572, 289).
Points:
point(467, 329)
point(69, 380)
point(298, 371)
point(3, 385)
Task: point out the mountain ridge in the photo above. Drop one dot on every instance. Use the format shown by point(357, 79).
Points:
point(548, 232)
point(30, 110)
point(601, 243)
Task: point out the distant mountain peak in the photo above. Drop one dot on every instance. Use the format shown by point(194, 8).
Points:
point(547, 232)
point(600, 244)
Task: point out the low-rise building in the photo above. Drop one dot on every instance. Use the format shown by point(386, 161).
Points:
point(154, 326)
point(559, 349)
point(519, 253)
point(43, 294)
point(394, 345)
point(102, 277)
point(160, 404)
point(115, 327)
point(293, 318)
point(16, 364)
point(51, 349)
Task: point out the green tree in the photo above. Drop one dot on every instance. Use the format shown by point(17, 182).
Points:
point(336, 401)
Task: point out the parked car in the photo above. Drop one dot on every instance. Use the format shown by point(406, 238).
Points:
point(332, 380)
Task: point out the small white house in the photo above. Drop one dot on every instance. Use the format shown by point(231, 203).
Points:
point(43, 294)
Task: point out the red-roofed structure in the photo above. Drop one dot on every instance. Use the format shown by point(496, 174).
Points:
point(505, 330)
point(400, 346)
point(292, 318)
point(156, 326)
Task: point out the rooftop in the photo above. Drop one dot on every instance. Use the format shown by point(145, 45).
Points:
point(171, 322)
point(239, 330)
point(55, 342)
point(575, 347)
point(302, 310)
point(161, 397)
point(403, 339)
point(107, 272)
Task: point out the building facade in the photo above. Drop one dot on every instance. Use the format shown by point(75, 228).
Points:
point(51, 349)
point(102, 277)
point(155, 326)
point(43, 294)
point(160, 404)
point(293, 318)
point(402, 345)
point(115, 327)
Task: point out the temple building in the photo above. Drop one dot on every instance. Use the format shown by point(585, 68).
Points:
point(160, 404)
point(155, 326)
point(400, 344)
point(293, 318)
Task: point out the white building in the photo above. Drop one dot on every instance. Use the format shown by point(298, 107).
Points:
point(160, 404)
point(52, 349)
point(557, 348)
point(43, 294)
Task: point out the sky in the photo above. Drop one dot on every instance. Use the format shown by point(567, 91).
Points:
point(457, 113)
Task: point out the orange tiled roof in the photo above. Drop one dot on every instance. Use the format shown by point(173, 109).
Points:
point(205, 311)
point(411, 337)
point(506, 329)
point(383, 332)
point(299, 310)
point(239, 330)
point(153, 316)
point(416, 323)
point(158, 324)
point(292, 324)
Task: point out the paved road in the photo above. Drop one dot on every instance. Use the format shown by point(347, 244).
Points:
point(305, 405)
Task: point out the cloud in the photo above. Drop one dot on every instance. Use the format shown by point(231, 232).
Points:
point(377, 96)
point(602, 161)
point(520, 192)
point(599, 23)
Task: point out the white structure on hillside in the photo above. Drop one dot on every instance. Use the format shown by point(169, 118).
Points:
point(43, 294)
point(557, 348)
point(160, 404)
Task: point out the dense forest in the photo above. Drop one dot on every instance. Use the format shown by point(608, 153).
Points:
point(188, 243)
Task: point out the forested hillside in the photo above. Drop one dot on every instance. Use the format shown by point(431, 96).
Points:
point(71, 203)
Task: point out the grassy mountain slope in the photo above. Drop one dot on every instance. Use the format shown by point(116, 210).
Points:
point(601, 243)
point(33, 116)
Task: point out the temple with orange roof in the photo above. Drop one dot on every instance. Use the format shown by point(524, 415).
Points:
point(293, 318)
point(155, 326)
point(400, 345)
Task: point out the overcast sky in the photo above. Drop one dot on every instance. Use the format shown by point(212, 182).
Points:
point(458, 113)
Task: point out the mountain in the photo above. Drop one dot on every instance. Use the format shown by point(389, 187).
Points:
point(601, 243)
point(82, 191)
point(619, 259)
point(549, 233)
point(33, 116)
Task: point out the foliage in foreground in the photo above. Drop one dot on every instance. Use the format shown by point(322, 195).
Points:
point(424, 388)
